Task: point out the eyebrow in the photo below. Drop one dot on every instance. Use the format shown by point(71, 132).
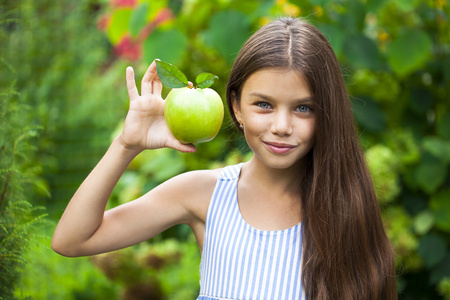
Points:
point(305, 99)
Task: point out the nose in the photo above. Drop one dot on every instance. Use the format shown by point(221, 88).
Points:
point(281, 124)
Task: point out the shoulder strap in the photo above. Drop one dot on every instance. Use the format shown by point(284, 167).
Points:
point(230, 172)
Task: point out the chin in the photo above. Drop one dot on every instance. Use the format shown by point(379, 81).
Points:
point(280, 163)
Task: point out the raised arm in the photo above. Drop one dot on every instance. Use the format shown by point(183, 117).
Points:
point(85, 228)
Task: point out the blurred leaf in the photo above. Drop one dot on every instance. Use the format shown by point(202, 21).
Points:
point(119, 24)
point(444, 287)
point(421, 101)
point(227, 33)
point(432, 249)
point(443, 126)
point(175, 6)
point(382, 86)
point(383, 164)
point(255, 9)
point(167, 45)
point(409, 52)
point(406, 5)
point(397, 223)
point(402, 142)
point(172, 168)
point(423, 222)
point(170, 75)
point(205, 80)
point(438, 147)
point(361, 52)
point(354, 17)
point(166, 163)
point(138, 19)
point(442, 270)
point(42, 187)
point(335, 36)
point(129, 186)
point(440, 204)
point(430, 174)
point(316, 2)
point(369, 114)
point(67, 276)
point(375, 5)
point(446, 68)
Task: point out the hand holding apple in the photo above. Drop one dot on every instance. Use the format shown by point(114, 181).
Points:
point(145, 126)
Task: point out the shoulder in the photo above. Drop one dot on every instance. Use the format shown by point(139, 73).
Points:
point(192, 191)
point(193, 181)
point(204, 179)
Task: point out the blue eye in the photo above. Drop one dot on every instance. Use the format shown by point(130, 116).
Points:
point(304, 108)
point(263, 105)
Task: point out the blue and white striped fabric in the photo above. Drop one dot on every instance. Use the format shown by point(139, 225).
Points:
point(242, 262)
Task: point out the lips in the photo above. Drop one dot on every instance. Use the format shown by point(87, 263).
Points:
point(279, 148)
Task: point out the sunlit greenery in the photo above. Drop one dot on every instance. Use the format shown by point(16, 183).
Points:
point(63, 98)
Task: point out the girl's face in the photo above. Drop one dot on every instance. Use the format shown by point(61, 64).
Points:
point(277, 111)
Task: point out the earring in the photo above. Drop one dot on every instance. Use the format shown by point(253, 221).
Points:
point(241, 126)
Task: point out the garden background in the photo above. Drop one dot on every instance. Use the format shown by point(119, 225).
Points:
point(63, 98)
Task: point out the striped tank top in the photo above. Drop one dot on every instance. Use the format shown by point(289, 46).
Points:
point(241, 262)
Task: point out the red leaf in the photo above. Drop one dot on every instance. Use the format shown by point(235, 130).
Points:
point(128, 48)
point(103, 22)
point(163, 15)
point(123, 3)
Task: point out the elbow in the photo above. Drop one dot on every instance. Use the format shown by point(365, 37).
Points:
point(64, 249)
point(61, 250)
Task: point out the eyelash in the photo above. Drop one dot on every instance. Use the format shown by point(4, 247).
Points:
point(265, 105)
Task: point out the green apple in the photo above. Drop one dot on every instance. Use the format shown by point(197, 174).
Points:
point(193, 115)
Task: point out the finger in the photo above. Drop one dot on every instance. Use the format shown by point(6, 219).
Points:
point(131, 84)
point(186, 148)
point(157, 85)
point(146, 84)
point(190, 84)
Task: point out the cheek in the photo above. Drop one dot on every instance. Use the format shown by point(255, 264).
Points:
point(255, 123)
point(308, 129)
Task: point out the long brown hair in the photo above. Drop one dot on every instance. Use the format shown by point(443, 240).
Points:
point(347, 254)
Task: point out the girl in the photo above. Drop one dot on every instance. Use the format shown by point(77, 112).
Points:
point(298, 221)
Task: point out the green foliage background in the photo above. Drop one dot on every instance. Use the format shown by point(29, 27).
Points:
point(63, 98)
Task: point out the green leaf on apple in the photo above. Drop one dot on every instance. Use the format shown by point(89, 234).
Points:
point(205, 80)
point(170, 75)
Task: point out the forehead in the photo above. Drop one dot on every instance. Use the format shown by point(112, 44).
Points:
point(277, 83)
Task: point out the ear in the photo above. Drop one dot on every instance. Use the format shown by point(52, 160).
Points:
point(236, 107)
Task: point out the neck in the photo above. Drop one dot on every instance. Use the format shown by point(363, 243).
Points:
point(283, 181)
